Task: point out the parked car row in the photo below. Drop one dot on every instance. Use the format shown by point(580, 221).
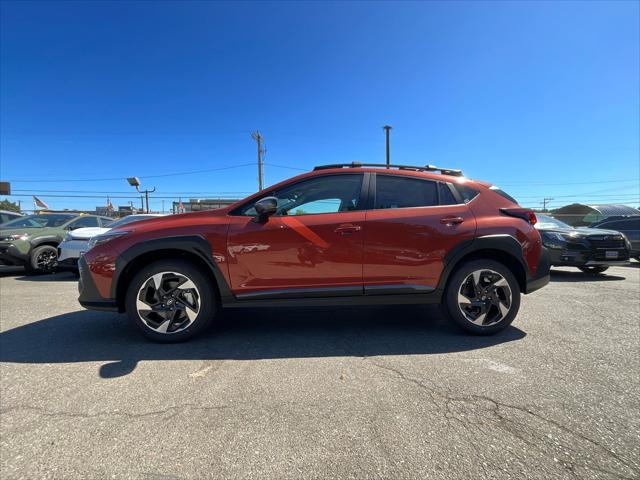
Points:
point(36, 242)
point(77, 242)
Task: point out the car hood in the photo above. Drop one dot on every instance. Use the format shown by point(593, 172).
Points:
point(176, 221)
point(31, 231)
point(583, 231)
point(87, 232)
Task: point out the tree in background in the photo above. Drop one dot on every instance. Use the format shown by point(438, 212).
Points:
point(9, 206)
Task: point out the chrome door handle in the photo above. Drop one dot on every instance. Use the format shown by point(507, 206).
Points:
point(347, 229)
point(452, 220)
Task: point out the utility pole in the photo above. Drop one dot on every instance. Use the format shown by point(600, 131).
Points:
point(386, 129)
point(545, 200)
point(261, 151)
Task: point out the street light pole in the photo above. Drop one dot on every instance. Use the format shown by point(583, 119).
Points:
point(135, 182)
point(386, 129)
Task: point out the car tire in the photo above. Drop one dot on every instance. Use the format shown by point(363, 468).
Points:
point(43, 259)
point(181, 298)
point(482, 287)
point(594, 270)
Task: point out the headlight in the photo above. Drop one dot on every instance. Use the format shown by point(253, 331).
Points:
point(556, 239)
point(554, 236)
point(11, 238)
point(105, 237)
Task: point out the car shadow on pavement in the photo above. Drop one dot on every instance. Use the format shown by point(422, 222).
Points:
point(245, 334)
point(19, 274)
point(578, 276)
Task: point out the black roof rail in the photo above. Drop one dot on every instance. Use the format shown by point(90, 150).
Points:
point(426, 168)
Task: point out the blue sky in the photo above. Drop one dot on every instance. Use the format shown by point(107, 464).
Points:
point(541, 98)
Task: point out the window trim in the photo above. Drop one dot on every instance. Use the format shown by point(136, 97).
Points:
point(362, 196)
point(373, 192)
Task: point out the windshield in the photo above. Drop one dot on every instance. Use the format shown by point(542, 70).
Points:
point(130, 219)
point(544, 221)
point(38, 221)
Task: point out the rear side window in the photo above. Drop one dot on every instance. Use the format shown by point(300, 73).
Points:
point(503, 194)
point(403, 192)
point(467, 193)
point(446, 197)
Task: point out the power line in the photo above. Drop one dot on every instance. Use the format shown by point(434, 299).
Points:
point(525, 184)
point(174, 174)
point(112, 191)
point(46, 195)
point(287, 167)
point(582, 195)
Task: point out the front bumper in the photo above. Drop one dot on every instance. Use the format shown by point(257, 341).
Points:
point(587, 258)
point(542, 275)
point(89, 296)
point(10, 254)
point(72, 249)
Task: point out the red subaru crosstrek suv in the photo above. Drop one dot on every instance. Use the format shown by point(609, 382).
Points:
point(347, 234)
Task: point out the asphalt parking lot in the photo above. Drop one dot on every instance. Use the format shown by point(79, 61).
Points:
point(380, 392)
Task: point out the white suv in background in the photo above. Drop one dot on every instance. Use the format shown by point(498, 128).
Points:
point(77, 241)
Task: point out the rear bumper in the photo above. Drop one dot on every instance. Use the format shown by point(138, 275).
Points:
point(89, 296)
point(542, 276)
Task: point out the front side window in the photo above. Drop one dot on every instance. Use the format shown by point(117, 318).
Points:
point(327, 194)
point(83, 222)
point(404, 192)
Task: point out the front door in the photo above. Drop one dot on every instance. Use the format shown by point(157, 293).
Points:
point(312, 245)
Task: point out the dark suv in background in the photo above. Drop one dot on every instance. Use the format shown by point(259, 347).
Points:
point(349, 234)
point(627, 225)
point(592, 250)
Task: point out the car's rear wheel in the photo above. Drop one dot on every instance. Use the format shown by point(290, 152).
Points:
point(594, 269)
point(43, 259)
point(171, 301)
point(482, 297)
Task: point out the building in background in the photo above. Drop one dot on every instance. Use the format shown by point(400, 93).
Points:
point(124, 210)
point(579, 215)
point(199, 204)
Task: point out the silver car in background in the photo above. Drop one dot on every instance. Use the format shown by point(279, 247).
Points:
point(77, 241)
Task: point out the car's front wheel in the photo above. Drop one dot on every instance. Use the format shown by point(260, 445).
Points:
point(171, 301)
point(482, 297)
point(594, 269)
point(43, 259)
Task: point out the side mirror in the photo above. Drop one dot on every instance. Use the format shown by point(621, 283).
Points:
point(265, 207)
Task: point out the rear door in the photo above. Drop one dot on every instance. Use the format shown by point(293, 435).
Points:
point(412, 224)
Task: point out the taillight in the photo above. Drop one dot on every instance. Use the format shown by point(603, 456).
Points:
point(523, 213)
